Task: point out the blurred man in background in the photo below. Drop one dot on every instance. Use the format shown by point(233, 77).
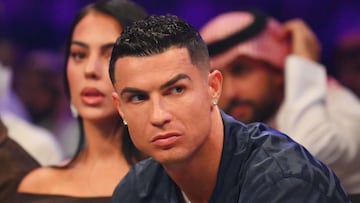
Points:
point(271, 74)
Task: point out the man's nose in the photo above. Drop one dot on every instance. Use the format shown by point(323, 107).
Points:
point(160, 115)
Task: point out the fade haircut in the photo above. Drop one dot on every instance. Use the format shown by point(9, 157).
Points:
point(156, 34)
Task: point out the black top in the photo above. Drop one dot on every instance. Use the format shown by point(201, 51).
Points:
point(258, 164)
point(15, 163)
point(43, 198)
point(355, 198)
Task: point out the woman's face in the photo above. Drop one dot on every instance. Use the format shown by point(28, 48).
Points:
point(88, 64)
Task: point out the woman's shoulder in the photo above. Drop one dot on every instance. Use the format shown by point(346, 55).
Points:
point(40, 180)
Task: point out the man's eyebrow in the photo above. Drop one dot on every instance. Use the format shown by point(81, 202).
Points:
point(131, 90)
point(175, 80)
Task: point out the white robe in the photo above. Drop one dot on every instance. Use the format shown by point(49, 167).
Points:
point(323, 116)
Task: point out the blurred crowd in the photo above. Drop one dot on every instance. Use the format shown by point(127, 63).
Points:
point(33, 99)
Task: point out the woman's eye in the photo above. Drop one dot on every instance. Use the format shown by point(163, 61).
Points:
point(107, 53)
point(77, 56)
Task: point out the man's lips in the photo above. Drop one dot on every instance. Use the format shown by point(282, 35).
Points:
point(165, 140)
point(92, 96)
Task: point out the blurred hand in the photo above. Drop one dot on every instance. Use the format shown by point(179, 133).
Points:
point(304, 41)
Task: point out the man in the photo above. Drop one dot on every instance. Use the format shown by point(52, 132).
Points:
point(32, 138)
point(168, 97)
point(15, 164)
point(271, 75)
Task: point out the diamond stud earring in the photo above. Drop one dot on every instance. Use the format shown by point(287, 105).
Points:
point(214, 102)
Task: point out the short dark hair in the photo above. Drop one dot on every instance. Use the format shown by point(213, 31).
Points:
point(156, 34)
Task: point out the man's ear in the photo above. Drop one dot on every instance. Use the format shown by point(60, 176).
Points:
point(117, 103)
point(215, 84)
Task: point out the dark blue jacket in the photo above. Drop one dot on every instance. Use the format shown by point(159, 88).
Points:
point(258, 164)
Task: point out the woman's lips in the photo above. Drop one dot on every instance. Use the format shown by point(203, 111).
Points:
point(92, 96)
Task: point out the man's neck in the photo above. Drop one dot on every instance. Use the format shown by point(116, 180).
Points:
point(197, 177)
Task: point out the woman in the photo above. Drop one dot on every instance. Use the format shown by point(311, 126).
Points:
point(107, 152)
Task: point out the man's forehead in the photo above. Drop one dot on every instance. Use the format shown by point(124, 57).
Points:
point(154, 80)
point(128, 61)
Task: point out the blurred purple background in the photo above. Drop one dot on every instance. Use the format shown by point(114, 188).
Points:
point(36, 24)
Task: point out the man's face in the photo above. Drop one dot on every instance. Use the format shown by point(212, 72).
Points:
point(166, 102)
point(252, 91)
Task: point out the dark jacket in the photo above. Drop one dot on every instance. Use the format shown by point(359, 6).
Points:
point(15, 163)
point(258, 164)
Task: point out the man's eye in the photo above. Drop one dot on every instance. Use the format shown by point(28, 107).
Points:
point(177, 90)
point(137, 98)
point(77, 56)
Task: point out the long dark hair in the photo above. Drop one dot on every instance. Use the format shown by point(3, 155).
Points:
point(125, 12)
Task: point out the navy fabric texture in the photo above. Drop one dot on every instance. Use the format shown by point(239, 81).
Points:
point(258, 164)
